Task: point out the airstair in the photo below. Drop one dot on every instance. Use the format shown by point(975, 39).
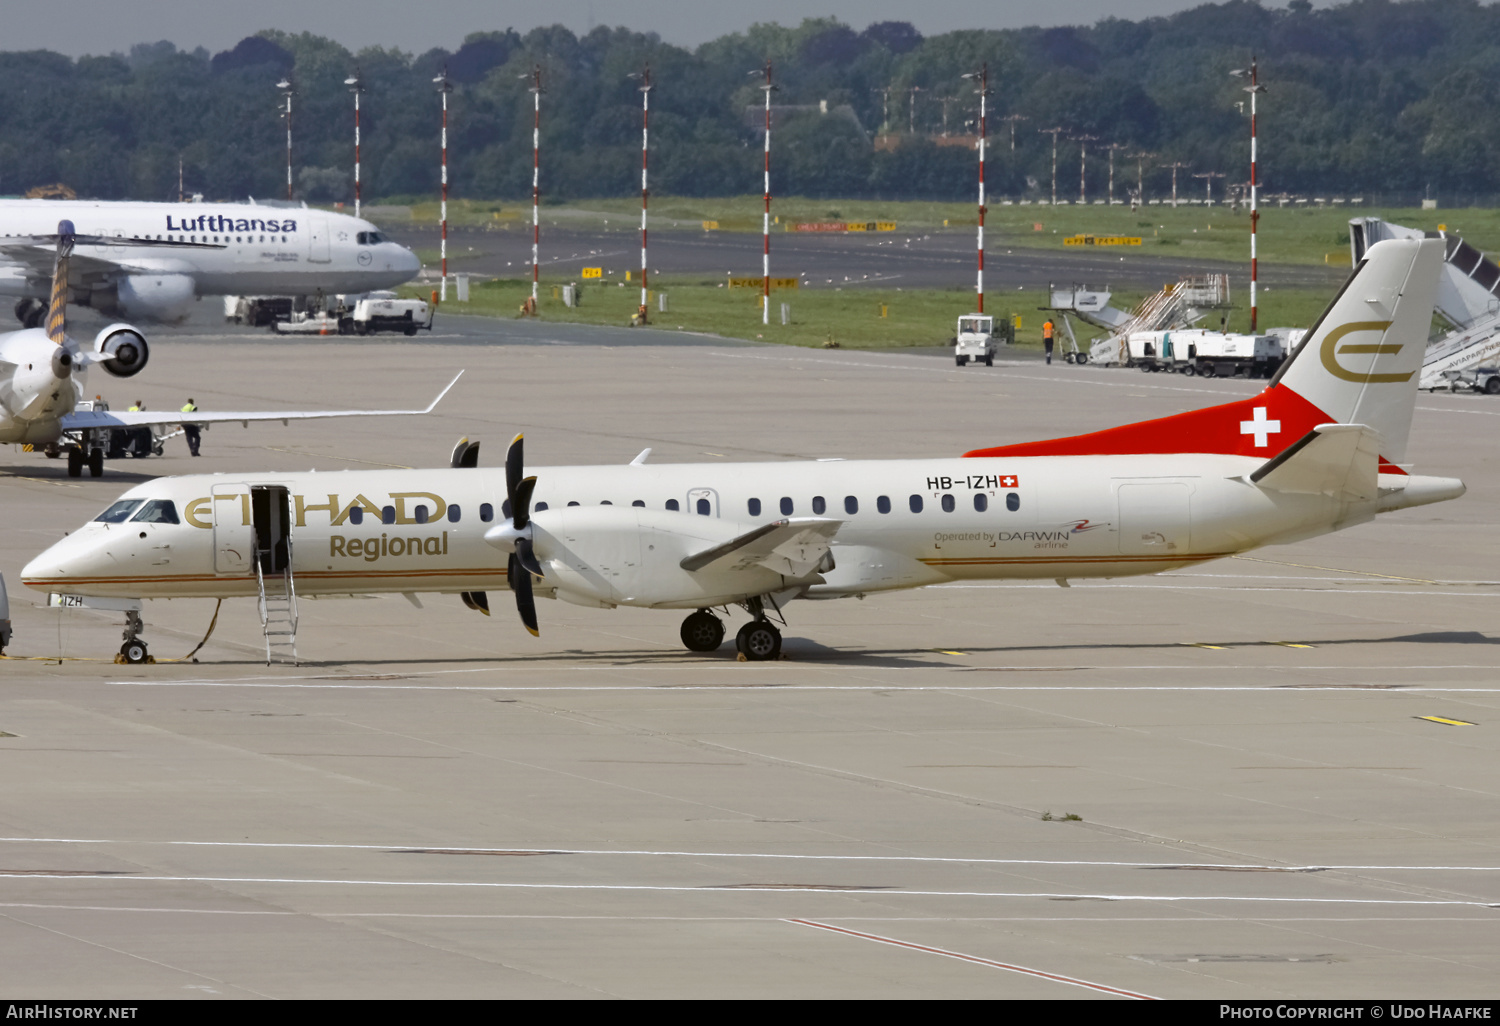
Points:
point(1468, 298)
point(278, 604)
point(1178, 305)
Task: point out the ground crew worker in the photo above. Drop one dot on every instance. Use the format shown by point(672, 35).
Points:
point(140, 438)
point(1047, 331)
point(191, 430)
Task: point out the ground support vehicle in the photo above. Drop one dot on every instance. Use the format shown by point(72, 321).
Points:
point(365, 314)
point(1208, 353)
point(1480, 379)
point(977, 340)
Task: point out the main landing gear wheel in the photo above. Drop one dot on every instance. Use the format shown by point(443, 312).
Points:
point(702, 631)
point(758, 641)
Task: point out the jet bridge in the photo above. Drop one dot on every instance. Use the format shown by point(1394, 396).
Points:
point(1468, 298)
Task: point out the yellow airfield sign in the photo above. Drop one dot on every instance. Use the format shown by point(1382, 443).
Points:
point(1102, 240)
point(755, 283)
point(593, 272)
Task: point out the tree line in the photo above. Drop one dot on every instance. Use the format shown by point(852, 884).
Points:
point(1369, 97)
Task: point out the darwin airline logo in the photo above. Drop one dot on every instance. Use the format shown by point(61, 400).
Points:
point(220, 223)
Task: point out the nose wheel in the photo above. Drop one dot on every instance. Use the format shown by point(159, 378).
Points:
point(134, 650)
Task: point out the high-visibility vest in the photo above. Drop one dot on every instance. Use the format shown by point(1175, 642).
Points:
point(1047, 330)
point(189, 408)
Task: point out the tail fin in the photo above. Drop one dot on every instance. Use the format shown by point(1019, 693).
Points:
point(57, 313)
point(1359, 363)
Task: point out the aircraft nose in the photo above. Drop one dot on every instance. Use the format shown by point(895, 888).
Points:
point(63, 562)
point(406, 261)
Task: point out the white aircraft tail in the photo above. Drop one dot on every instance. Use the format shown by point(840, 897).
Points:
point(1359, 364)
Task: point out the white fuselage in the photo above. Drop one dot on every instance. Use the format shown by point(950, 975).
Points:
point(1043, 517)
point(268, 250)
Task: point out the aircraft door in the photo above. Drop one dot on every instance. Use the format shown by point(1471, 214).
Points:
point(270, 513)
point(233, 539)
point(317, 240)
point(703, 502)
point(1154, 518)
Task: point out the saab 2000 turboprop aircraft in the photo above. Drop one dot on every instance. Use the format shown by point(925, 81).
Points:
point(252, 249)
point(1321, 449)
point(42, 373)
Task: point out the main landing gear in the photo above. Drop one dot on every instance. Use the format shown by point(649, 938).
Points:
point(77, 460)
point(757, 641)
point(134, 649)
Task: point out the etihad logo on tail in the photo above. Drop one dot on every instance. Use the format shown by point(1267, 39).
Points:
point(1330, 352)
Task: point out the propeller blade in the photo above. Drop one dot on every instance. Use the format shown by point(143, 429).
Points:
point(520, 583)
point(515, 467)
point(527, 558)
point(520, 504)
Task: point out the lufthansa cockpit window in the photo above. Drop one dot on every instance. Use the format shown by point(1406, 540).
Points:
point(157, 511)
point(369, 238)
point(119, 512)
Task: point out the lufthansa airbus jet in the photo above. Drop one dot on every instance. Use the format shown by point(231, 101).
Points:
point(1321, 449)
point(249, 249)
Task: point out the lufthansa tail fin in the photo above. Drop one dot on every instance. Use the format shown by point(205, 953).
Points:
point(57, 313)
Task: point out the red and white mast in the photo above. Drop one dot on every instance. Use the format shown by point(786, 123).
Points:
point(444, 87)
point(765, 289)
point(645, 77)
point(1253, 88)
point(286, 86)
point(536, 147)
point(983, 75)
point(356, 87)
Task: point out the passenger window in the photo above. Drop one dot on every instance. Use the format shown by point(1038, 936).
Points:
point(883, 504)
point(421, 515)
point(157, 511)
point(916, 504)
point(573, 503)
point(981, 502)
point(704, 507)
point(786, 506)
point(119, 512)
point(486, 512)
point(948, 503)
point(539, 507)
point(639, 502)
point(606, 502)
point(819, 505)
point(672, 505)
point(356, 515)
point(387, 514)
point(505, 509)
point(851, 505)
point(754, 506)
point(454, 513)
point(1012, 502)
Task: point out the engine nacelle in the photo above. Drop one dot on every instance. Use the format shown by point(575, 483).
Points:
point(127, 346)
point(157, 297)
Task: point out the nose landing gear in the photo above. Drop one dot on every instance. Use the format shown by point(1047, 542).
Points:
point(134, 649)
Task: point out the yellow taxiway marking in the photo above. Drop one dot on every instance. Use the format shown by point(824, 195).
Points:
point(1337, 570)
point(1294, 644)
point(1204, 644)
point(945, 651)
point(1444, 719)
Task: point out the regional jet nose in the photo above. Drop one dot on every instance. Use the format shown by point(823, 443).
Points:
point(74, 557)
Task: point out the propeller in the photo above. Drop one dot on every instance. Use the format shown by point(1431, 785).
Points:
point(523, 565)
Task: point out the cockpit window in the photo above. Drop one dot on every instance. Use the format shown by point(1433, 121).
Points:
point(369, 238)
point(157, 511)
point(119, 512)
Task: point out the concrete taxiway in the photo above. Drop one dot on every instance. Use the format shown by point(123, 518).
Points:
point(1266, 777)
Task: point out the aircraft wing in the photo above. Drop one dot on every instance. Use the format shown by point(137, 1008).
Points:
point(37, 253)
point(1340, 460)
point(90, 420)
point(792, 548)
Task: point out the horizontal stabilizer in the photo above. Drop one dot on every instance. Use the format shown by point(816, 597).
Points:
point(1338, 460)
point(793, 548)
